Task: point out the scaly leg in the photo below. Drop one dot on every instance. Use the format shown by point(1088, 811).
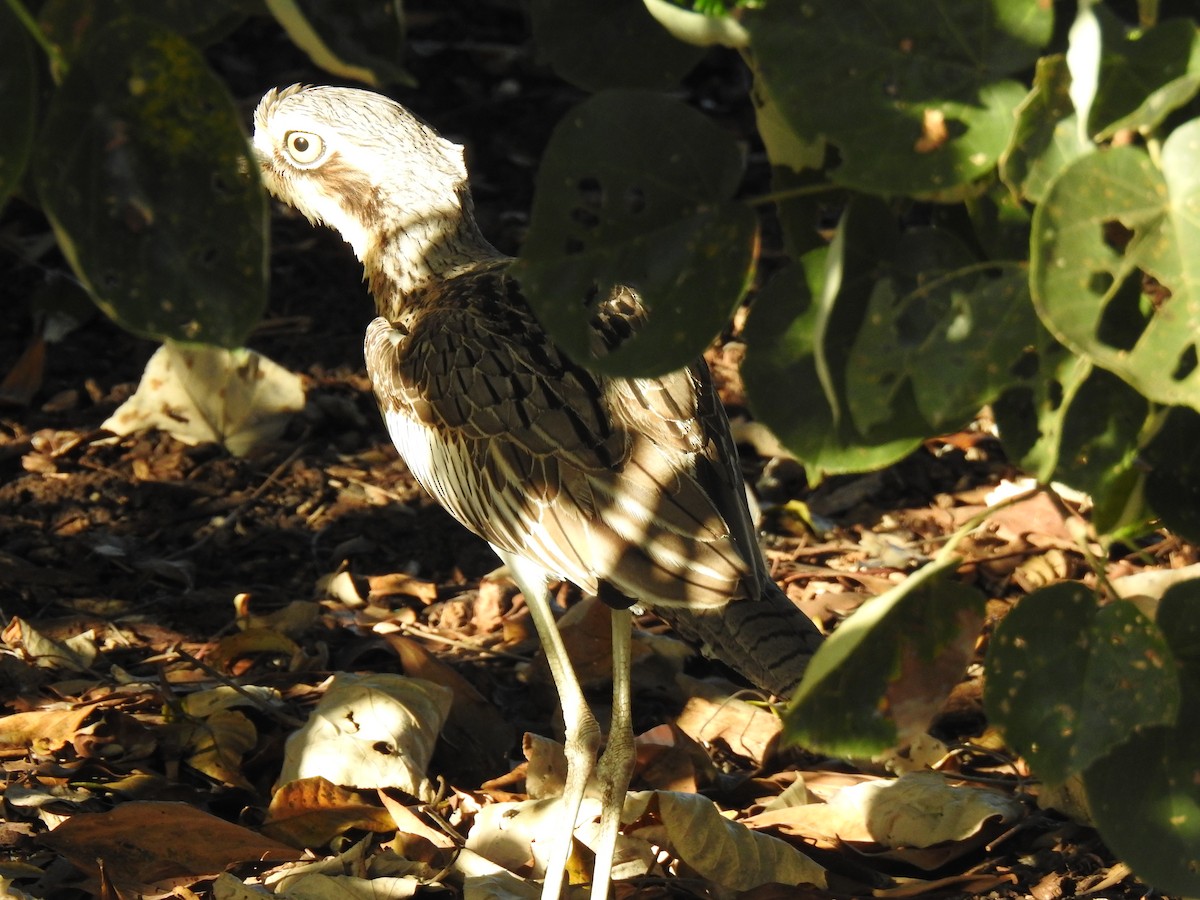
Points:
point(616, 765)
point(582, 732)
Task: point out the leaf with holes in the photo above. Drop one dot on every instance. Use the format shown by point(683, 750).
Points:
point(614, 44)
point(918, 101)
point(635, 190)
point(1144, 795)
point(1078, 424)
point(1114, 270)
point(146, 177)
point(1069, 680)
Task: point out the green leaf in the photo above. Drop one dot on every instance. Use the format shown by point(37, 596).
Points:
point(1106, 223)
point(954, 337)
point(1144, 795)
point(782, 384)
point(361, 40)
point(916, 97)
point(18, 100)
point(1047, 136)
point(1069, 680)
point(146, 177)
point(614, 44)
point(1144, 76)
point(880, 678)
point(1173, 482)
point(634, 190)
point(68, 23)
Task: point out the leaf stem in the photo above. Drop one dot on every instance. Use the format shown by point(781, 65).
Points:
point(962, 271)
point(807, 190)
point(58, 63)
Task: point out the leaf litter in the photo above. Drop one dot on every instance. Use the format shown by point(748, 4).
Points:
point(175, 614)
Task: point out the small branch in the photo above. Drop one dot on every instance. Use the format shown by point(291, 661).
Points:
point(58, 63)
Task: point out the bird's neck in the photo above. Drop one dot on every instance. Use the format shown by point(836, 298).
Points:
point(421, 250)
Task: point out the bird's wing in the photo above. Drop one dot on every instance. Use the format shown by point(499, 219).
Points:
point(598, 479)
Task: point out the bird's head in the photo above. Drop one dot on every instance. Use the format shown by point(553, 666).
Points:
point(358, 162)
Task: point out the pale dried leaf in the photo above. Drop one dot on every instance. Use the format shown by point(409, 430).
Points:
point(197, 393)
point(724, 852)
point(76, 653)
point(370, 731)
point(747, 730)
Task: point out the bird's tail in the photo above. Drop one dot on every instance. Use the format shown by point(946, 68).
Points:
point(769, 640)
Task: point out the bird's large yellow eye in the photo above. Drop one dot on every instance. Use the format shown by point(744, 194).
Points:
point(304, 147)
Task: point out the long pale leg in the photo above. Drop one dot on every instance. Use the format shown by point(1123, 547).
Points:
point(582, 732)
point(616, 764)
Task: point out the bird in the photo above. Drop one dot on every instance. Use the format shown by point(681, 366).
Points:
point(627, 487)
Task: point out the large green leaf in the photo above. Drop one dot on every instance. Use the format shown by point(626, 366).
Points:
point(1173, 482)
point(1144, 75)
point(634, 190)
point(879, 679)
point(943, 329)
point(1069, 680)
point(802, 333)
point(146, 177)
point(1080, 425)
point(18, 100)
point(782, 384)
point(67, 23)
point(916, 96)
point(1145, 794)
point(614, 44)
point(1047, 136)
point(1109, 221)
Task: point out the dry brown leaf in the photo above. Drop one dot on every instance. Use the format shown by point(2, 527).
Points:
point(150, 842)
point(312, 811)
point(198, 393)
point(414, 838)
point(546, 770)
point(76, 653)
point(725, 852)
point(669, 760)
point(44, 731)
point(218, 744)
point(251, 642)
point(382, 587)
point(747, 730)
point(24, 379)
point(586, 629)
point(476, 730)
point(918, 691)
point(921, 818)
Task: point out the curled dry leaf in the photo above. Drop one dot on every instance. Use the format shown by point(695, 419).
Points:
point(902, 818)
point(197, 393)
point(748, 730)
point(371, 731)
point(311, 812)
point(76, 653)
point(218, 744)
point(725, 852)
